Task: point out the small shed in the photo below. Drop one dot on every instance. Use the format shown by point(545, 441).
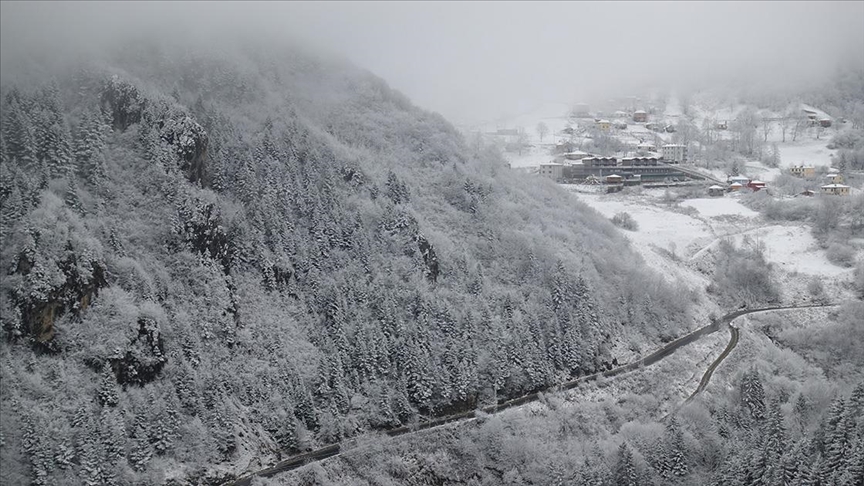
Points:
point(735, 186)
point(716, 190)
point(722, 125)
point(808, 193)
point(614, 179)
point(825, 122)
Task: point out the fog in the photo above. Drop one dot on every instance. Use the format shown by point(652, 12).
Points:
point(475, 61)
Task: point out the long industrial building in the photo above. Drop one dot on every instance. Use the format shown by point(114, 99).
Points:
point(649, 169)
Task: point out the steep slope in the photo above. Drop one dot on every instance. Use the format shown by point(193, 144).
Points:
point(212, 259)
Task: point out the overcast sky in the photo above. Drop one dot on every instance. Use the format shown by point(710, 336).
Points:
point(478, 60)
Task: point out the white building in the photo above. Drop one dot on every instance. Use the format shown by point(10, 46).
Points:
point(674, 153)
point(835, 189)
point(552, 170)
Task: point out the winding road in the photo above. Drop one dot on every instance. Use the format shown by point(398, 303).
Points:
point(733, 341)
point(725, 321)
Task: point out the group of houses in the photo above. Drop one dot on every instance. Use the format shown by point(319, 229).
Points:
point(737, 184)
point(619, 122)
point(833, 181)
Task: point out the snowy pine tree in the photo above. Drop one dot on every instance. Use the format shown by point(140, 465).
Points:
point(107, 395)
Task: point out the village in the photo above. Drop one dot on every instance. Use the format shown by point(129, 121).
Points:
point(656, 161)
point(651, 148)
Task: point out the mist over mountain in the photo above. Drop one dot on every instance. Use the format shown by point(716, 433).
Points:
point(477, 61)
point(233, 234)
point(217, 257)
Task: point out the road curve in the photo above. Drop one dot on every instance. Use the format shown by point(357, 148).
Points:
point(733, 341)
point(334, 449)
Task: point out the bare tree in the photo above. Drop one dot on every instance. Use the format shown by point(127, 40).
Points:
point(767, 122)
point(744, 130)
point(708, 127)
point(542, 130)
point(799, 125)
point(855, 110)
point(785, 123)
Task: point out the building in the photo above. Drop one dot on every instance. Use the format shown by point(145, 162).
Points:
point(619, 124)
point(722, 125)
point(633, 180)
point(835, 190)
point(756, 185)
point(599, 161)
point(808, 193)
point(639, 161)
point(715, 191)
point(645, 147)
point(825, 122)
point(735, 186)
point(834, 178)
point(576, 155)
point(552, 170)
point(674, 153)
point(802, 171)
point(640, 116)
point(604, 125)
point(563, 147)
point(614, 179)
point(740, 180)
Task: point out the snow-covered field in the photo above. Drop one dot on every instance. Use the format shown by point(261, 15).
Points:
point(805, 152)
point(676, 240)
point(791, 247)
point(711, 207)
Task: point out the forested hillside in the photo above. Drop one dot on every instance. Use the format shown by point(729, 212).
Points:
point(211, 259)
point(788, 410)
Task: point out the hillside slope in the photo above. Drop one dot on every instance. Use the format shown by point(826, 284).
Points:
point(212, 260)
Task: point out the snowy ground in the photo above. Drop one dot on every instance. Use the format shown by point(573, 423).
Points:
point(713, 207)
point(805, 152)
point(677, 240)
